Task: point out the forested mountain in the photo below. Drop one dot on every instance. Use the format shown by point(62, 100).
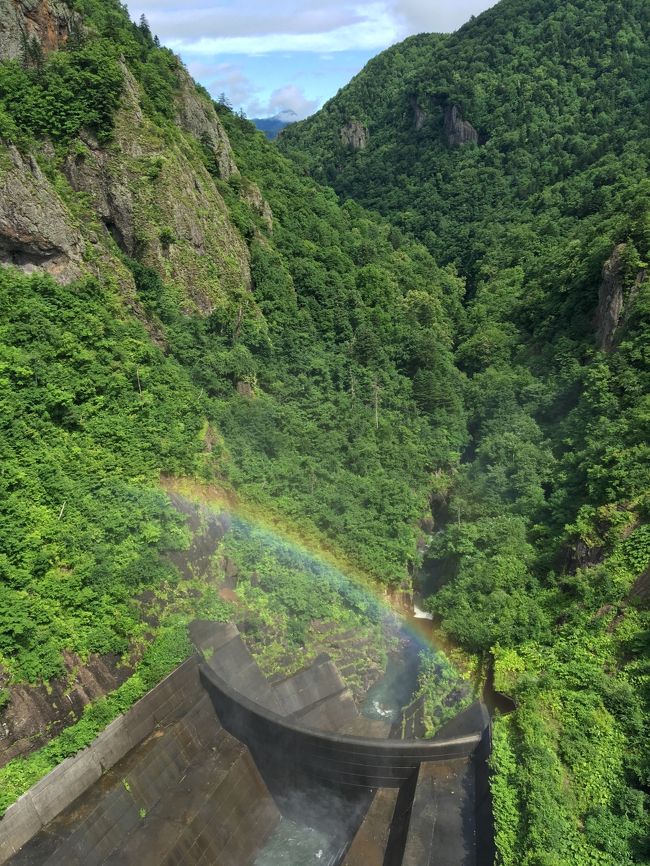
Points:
point(182, 297)
point(517, 151)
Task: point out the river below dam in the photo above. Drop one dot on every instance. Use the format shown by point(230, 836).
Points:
point(294, 844)
point(396, 687)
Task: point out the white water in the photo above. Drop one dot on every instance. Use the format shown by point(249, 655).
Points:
point(418, 613)
point(295, 845)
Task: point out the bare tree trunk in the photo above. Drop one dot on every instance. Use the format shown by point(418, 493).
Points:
point(375, 388)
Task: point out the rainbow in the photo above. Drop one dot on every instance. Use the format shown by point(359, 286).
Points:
point(312, 554)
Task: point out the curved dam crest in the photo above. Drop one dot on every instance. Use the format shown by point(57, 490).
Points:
point(367, 762)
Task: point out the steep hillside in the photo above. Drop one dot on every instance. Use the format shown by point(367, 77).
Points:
point(517, 149)
point(462, 132)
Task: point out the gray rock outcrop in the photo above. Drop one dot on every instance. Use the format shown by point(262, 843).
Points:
point(457, 130)
point(151, 196)
point(354, 135)
point(196, 115)
point(612, 298)
point(109, 191)
point(36, 713)
point(254, 197)
point(158, 201)
point(36, 232)
point(419, 114)
point(49, 22)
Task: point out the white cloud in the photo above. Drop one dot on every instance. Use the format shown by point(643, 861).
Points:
point(250, 27)
point(225, 78)
point(246, 19)
point(291, 98)
point(230, 79)
point(370, 26)
point(439, 16)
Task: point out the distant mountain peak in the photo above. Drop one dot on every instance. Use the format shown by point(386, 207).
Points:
point(273, 126)
point(287, 115)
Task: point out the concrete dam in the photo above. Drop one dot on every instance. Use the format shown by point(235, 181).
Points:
point(213, 765)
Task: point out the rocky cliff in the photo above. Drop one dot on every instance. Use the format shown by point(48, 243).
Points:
point(48, 22)
point(457, 130)
point(195, 113)
point(612, 297)
point(146, 193)
point(354, 135)
point(419, 113)
point(157, 201)
point(36, 230)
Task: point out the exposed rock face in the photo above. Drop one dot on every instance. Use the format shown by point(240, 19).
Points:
point(36, 232)
point(457, 130)
point(197, 116)
point(254, 197)
point(153, 197)
point(419, 114)
point(611, 298)
point(110, 189)
point(584, 556)
point(244, 389)
point(50, 22)
point(354, 135)
point(37, 713)
point(160, 205)
point(641, 588)
point(111, 196)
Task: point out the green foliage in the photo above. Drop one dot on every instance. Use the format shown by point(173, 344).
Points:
point(73, 90)
point(445, 693)
point(80, 88)
point(336, 434)
point(356, 377)
point(284, 588)
point(344, 341)
point(506, 805)
point(91, 413)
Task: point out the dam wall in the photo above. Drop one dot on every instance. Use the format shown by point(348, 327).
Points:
point(205, 767)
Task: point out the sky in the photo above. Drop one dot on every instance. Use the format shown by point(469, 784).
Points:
point(270, 56)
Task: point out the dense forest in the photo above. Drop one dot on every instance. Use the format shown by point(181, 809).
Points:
point(425, 311)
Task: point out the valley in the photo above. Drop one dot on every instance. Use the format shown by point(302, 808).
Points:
point(401, 352)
